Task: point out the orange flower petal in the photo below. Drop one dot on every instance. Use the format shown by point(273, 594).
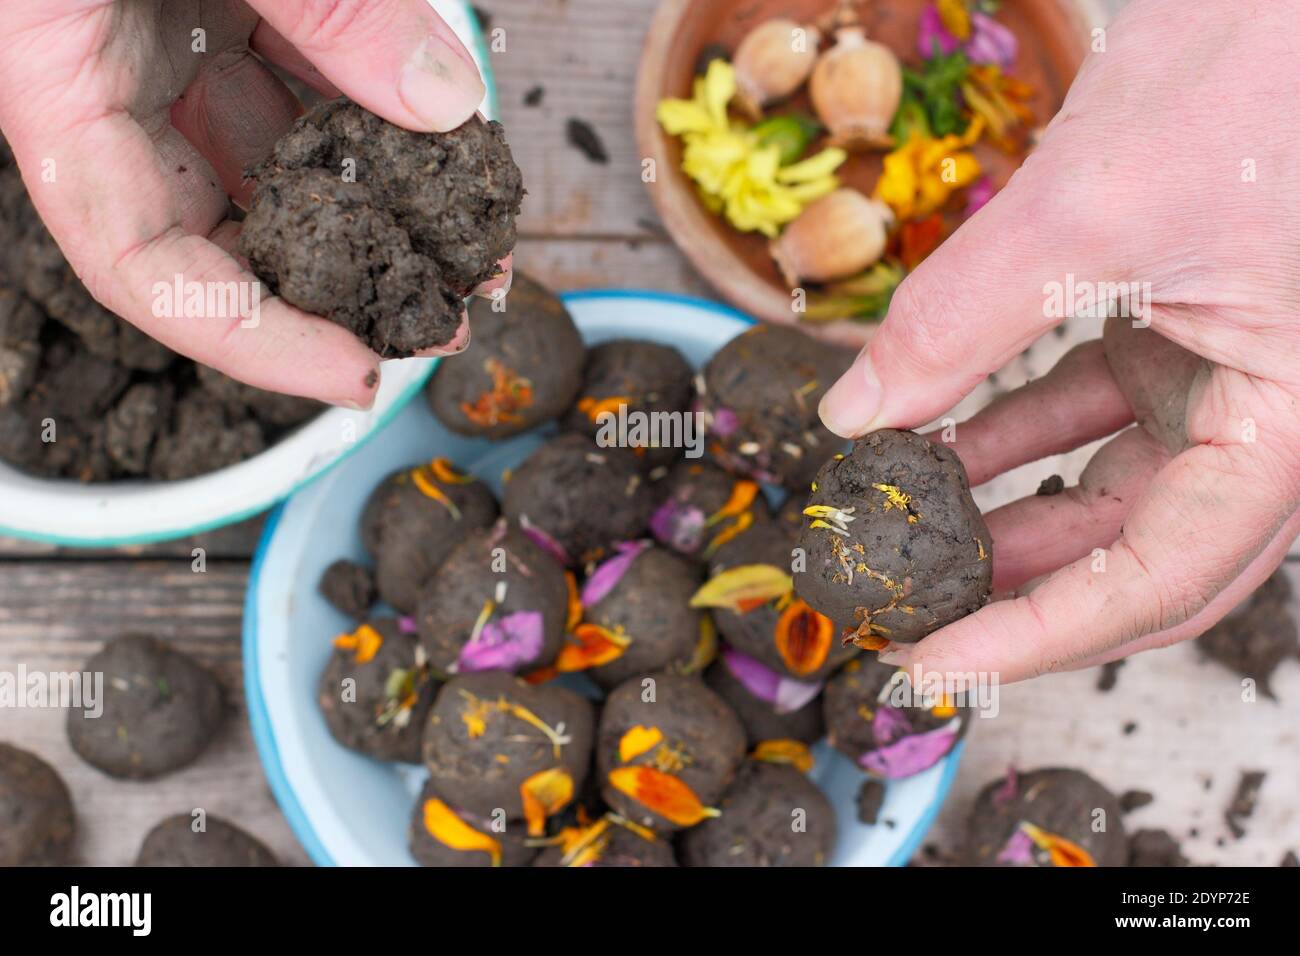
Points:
point(868, 642)
point(364, 642)
point(448, 473)
point(541, 675)
point(450, 830)
point(803, 637)
point(430, 490)
point(738, 527)
point(595, 645)
point(584, 845)
point(637, 741)
point(792, 752)
point(575, 602)
point(743, 494)
point(1062, 851)
point(545, 793)
point(744, 588)
point(593, 408)
point(661, 792)
point(510, 392)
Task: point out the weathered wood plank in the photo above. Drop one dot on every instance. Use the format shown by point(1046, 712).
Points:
point(54, 615)
point(237, 541)
point(1191, 724)
point(584, 54)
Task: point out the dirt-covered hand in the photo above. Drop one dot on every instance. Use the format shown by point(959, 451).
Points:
point(1170, 168)
point(133, 121)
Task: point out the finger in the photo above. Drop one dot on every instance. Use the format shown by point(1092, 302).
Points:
point(1232, 595)
point(499, 284)
point(458, 344)
point(264, 342)
point(963, 313)
point(1210, 512)
point(132, 229)
point(1073, 404)
point(1039, 534)
point(396, 58)
point(233, 112)
point(273, 48)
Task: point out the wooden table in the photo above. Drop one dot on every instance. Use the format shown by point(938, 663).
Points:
point(588, 225)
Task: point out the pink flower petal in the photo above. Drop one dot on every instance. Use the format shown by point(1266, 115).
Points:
point(890, 724)
point(759, 680)
point(1007, 792)
point(679, 526)
point(785, 695)
point(407, 625)
point(979, 193)
point(1019, 850)
point(505, 644)
point(608, 573)
point(932, 29)
point(543, 540)
point(911, 754)
point(792, 694)
point(725, 422)
point(991, 42)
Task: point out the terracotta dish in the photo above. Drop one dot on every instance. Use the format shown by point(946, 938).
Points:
point(1053, 38)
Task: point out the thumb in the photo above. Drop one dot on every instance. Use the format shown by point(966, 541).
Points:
point(396, 58)
point(972, 305)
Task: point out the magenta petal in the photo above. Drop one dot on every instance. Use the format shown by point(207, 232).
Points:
point(1019, 850)
point(979, 193)
point(608, 573)
point(890, 724)
point(407, 624)
point(725, 422)
point(680, 526)
point(931, 29)
point(793, 694)
point(991, 42)
point(504, 644)
point(759, 679)
point(543, 540)
point(911, 754)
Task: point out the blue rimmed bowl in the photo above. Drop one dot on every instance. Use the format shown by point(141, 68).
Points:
point(350, 810)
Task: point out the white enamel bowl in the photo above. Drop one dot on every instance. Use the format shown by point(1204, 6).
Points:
point(120, 513)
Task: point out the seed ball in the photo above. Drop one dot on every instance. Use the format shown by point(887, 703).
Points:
point(895, 545)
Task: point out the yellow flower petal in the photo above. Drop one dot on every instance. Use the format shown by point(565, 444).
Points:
point(744, 588)
point(637, 741)
point(442, 823)
point(545, 793)
point(823, 164)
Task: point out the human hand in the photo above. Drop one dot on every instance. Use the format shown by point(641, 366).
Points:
point(148, 141)
point(1171, 163)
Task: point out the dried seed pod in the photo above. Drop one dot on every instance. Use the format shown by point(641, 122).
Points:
point(856, 88)
point(837, 236)
point(772, 62)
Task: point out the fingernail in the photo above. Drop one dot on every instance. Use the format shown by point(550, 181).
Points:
point(895, 655)
point(439, 86)
point(849, 407)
